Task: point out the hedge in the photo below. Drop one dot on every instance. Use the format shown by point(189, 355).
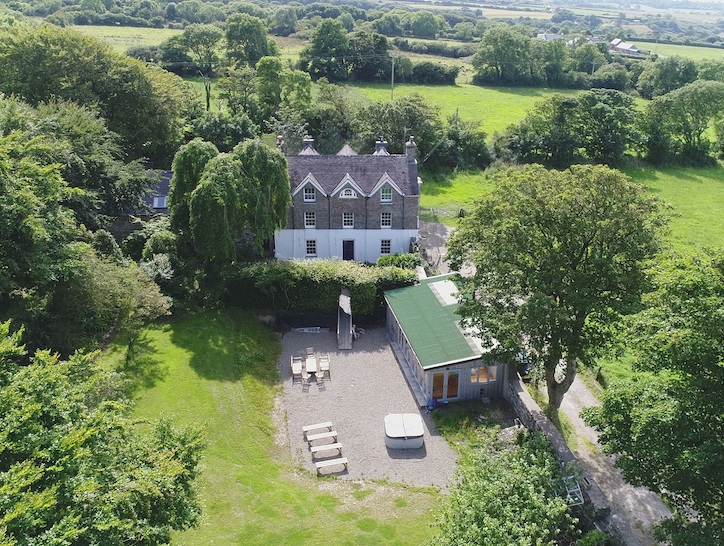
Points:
point(312, 285)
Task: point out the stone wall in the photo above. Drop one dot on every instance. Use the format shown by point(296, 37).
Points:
point(596, 508)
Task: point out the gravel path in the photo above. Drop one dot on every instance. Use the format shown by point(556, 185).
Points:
point(366, 384)
point(637, 506)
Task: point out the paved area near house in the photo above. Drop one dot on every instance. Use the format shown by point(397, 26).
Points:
point(366, 384)
point(637, 506)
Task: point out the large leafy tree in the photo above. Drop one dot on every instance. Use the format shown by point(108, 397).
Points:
point(679, 120)
point(506, 498)
point(558, 258)
point(188, 166)
point(202, 40)
point(74, 469)
point(369, 60)
point(89, 155)
point(397, 120)
point(666, 74)
point(145, 105)
point(246, 40)
point(667, 428)
point(326, 54)
point(605, 121)
point(504, 55)
point(546, 135)
point(244, 191)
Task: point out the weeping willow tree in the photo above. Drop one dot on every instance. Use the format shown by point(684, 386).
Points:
point(244, 191)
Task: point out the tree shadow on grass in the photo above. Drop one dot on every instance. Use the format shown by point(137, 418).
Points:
point(142, 367)
point(228, 345)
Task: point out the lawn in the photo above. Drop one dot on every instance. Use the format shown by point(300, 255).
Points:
point(495, 107)
point(696, 197)
point(692, 52)
point(218, 370)
point(121, 38)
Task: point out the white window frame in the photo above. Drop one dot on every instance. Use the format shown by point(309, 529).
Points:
point(386, 243)
point(310, 194)
point(310, 219)
point(311, 247)
point(348, 220)
point(159, 202)
point(385, 223)
point(386, 195)
point(348, 193)
point(475, 375)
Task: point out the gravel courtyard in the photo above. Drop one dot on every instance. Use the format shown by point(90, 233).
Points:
point(366, 384)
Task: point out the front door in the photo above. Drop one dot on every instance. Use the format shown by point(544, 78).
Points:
point(348, 250)
point(445, 385)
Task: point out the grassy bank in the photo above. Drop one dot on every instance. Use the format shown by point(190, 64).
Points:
point(218, 370)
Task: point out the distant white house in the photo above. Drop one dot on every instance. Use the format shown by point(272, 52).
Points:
point(619, 46)
point(550, 37)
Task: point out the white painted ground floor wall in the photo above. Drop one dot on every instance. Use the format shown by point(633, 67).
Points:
point(290, 244)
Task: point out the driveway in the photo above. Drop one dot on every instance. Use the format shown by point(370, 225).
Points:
point(366, 384)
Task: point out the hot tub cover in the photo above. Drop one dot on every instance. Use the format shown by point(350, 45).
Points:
point(403, 425)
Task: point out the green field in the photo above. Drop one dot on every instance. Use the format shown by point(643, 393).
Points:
point(218, 370)
point(121, 38)
point(695, 195)
point(495, 107)
point(697, 198)
point(692, 52)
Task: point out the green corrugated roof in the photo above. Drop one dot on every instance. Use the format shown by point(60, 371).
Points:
point(430, 326)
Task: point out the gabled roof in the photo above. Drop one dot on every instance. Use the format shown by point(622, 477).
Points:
point(386, 179)
point(309, 179)
point(347, 150)
point(365, 170)
point(349, 181)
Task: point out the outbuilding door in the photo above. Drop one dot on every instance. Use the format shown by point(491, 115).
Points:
point(348, 250)
point(445, 385)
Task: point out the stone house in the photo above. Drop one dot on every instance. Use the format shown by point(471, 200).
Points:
point(350, 206)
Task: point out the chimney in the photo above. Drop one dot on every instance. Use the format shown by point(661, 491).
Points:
point(280, 143)
point(308, 147)
point(411, 150)
point(381, 147)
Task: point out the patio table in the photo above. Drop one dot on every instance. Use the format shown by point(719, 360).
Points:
point(311, 364)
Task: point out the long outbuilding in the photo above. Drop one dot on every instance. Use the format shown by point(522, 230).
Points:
point(442, 360)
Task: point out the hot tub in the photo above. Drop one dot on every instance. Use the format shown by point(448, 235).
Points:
point(404, 431)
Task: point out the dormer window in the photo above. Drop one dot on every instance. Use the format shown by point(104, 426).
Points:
point(386, 195)
point(348, 193)
point(310, 194)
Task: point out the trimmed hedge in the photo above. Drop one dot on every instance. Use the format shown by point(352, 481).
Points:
point(312, 285)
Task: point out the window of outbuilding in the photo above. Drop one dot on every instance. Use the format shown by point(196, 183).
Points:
point(484, 374)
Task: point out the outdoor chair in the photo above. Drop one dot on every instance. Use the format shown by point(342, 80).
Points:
point(310, 351)
point(324, 365)
point(296, 369)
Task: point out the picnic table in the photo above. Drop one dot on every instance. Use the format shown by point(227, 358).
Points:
point(311, 364)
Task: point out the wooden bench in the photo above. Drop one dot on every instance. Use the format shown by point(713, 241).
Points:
point(331, 462)
point(322, 436)
point(325, 447)
point(308, 428)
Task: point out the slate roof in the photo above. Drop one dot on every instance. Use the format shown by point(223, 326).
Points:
point(365, 170)
point(159, 189)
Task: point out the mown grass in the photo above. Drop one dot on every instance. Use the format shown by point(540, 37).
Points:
point(692, 52)
point(494, 107)
point(122, 38)
point(218, 370)
point(697, 200)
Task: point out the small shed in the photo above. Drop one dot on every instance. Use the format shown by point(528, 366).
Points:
point(443, 361)
point(344, 321)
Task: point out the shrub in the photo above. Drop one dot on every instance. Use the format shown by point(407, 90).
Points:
point(311, 286)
